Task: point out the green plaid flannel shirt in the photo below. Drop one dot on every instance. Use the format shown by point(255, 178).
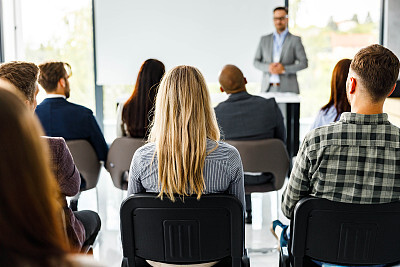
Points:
point(354, 160)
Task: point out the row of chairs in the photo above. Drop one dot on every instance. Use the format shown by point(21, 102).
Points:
point(267, 155)
point(341, 233)
point(192, 231)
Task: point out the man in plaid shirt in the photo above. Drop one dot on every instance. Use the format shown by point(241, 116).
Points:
point(356, 159)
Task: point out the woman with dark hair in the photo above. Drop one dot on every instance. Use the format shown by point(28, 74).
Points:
point(338, 102)
point(32, 221)
point(134, 117)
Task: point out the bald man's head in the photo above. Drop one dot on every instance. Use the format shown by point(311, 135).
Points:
point(232, 80)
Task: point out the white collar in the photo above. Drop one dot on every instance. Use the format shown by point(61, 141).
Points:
point(55, 96)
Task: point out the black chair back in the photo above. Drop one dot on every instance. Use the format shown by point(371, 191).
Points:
point(344, 233)
point(188, 231)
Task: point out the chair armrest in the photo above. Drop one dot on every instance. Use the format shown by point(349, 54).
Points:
point(245, 259)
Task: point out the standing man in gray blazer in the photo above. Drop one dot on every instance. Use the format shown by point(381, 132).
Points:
point(279, 56)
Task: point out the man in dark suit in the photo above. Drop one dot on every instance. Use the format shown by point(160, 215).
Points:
point(280, 55)
point(61, 118)
point(83, 226)
point(247, 117)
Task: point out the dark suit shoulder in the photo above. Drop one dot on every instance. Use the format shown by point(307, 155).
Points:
point(61, 102)
point(263, 100)
point(78, 107)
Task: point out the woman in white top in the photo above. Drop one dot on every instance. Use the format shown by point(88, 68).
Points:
point(32, 221)
point(338, 102)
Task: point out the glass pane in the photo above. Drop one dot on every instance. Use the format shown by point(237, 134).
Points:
point(61, 31)
point(330, 31)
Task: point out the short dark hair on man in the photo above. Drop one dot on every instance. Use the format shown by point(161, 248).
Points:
point(51, 73)
point(378, 69)
point(281, 8)
point(22, 75)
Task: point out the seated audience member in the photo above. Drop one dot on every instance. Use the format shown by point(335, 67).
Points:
point(61, 118)
point(184, 155)
point(354, 160)
point(135, 116)
point(31, 221)
point(247, 117)
point(82, 226)
point(338, 102)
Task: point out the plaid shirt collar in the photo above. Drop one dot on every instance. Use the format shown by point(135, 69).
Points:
point(356, 118)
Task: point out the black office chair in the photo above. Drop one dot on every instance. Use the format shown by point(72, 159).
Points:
point(186, 231)
point(343, 233)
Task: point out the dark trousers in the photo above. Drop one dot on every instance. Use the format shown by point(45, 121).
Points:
point(92, 224)
point(256, 180)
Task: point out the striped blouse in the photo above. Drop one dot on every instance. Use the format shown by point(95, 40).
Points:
point(223, 171)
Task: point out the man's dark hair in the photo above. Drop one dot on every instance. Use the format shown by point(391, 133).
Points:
point(378, 69)
point(51, 73)
point(281, 8)
point(22, 75)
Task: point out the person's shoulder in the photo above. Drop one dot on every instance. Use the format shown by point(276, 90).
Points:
point(262, 101)
point(220, 105)
point(270, 100)
point(78, 107)
point(223, 150)
point(294, 37)
point(45, 103)
point(323, 135)
point(267, 36)
point(55, 142)
point(146, 151)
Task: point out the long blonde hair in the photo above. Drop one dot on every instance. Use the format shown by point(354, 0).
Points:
point(183, 120)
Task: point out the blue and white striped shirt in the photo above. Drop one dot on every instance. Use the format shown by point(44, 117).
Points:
point(223, 171)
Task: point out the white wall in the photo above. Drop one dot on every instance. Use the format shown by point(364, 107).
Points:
point(391, 36)
point(205, 33)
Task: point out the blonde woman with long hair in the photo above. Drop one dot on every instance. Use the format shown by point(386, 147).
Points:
point(184, 155)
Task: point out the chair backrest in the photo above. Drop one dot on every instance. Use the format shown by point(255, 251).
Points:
point(345, 234)
point(119, 159)
point(189, 231)
point(86, 161)
point(267, 155)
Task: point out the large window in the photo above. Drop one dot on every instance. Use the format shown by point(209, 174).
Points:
point(61, 30)
point(330, 31)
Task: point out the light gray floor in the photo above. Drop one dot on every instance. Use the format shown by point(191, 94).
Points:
point(108, 248)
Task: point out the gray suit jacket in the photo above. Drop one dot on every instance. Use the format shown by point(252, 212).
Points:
point(293, 58)
point(247, 117)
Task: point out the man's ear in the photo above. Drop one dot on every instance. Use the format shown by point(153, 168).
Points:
point(28, 104)
point(245, 80)
point(222, 89)
point(353, 84)
point(394, 87)
point(62, 82)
